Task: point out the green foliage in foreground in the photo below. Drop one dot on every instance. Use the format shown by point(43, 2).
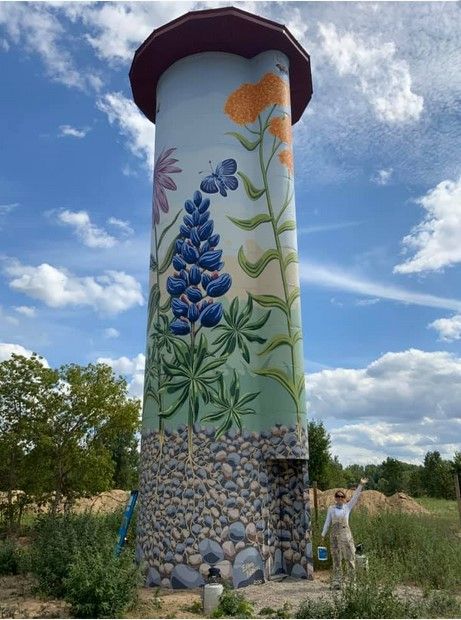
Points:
point(374, 596)
point(100, 585)
point(9, 558)
point(422, 550)
point(233, 604)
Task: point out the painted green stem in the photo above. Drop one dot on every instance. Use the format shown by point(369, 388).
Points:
point(274, 220)
point(161, 422)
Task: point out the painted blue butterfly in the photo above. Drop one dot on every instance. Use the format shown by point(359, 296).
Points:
point(221, 179)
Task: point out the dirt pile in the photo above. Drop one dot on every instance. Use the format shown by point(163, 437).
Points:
point(109, 501)
point(372, 501)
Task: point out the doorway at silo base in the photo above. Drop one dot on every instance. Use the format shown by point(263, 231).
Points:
point(238, 505)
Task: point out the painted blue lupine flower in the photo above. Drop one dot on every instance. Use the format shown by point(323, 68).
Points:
point(196, 282)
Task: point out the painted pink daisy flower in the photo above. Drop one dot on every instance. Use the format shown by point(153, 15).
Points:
point(164, 166)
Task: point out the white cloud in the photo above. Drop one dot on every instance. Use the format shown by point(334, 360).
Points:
point(7, 208)
point(369, 301)
point(28, 311)
point(382, 77)
point(111, 332)
point(132, 369)
point(401, 405)
point(333, 278)
point(7, 349)
point(308, 230)
point(449, 329)
point(137, 130)
point(111, 293)
point(437, 239)
point(405, 385)
point(38, 30)
point(86, 231)
point(69, 131)
point(382, 177)
point(122, 225)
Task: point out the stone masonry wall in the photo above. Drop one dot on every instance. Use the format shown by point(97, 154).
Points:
point(239, 503)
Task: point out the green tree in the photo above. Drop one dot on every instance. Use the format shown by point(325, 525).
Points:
point(437, 476)
point(76, 437)
point(26, 389)
point(392, 471)
point(319, 453)
point(63, 433)
point(335, 474)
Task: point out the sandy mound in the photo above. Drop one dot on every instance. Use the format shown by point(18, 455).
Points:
point(371, 501)
point(104, 502)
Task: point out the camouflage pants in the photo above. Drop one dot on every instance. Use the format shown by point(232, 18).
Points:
point(342, 548)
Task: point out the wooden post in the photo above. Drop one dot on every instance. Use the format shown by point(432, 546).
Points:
point(458, 492)
point(316, 503)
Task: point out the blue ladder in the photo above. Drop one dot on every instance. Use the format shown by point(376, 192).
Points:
point(127, 515)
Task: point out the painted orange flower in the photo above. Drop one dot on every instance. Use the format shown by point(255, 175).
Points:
point(249, 100)
point(286, 158)
point(280, 126)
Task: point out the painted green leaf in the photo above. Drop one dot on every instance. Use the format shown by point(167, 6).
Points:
point(301, 385)
point(291, 257)
point(295, 293)
point(271, 301)
point(166, 305)
point(288, 225)
point(175, 406)
point(254, 270)
point(154, 299)
point(248, 144)
point(278, 341)
point(252, 223)
point(281, 377)
point(252, 192)
point(165, 265)
point(167, 228)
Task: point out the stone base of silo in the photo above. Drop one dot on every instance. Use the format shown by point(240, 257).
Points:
point(239, 503)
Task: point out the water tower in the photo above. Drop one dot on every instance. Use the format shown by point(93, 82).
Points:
point(224, 479)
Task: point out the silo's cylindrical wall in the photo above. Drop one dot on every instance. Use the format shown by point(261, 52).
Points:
point(224, 390)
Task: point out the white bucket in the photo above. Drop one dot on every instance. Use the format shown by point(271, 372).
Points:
point(361, 562)
point(211, 594)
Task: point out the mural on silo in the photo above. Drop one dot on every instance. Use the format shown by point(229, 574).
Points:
point(224, 448)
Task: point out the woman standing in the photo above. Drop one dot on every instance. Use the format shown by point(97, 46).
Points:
point(341, 541)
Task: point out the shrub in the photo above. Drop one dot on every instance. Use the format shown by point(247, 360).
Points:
point(9, 558)
point(233, 604)
point(99, 584)
point(321, 608)
point(58, 539)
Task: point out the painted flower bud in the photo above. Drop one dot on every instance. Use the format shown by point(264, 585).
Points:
point(175, 286)
point(211, 315)
point(178, 245)
point(219, 286)
point(204, 205)
point(195, 237)
point(205, 231)
point(188, 221)
point(210, 260)
point(195, 275)
point(189, 206)
point(193, 294)
point(205, 247)
point(189, 253)
point(206, 279)
point(180, 328)
point(196, 217)
point(193, 313)
point(197, 198)
point(184, 276)
point(184, 230)
point(204, 217)
point(179, 307)
point(178, 263)
point(214, 240)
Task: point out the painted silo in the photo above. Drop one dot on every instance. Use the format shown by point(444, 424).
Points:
point(224, 447)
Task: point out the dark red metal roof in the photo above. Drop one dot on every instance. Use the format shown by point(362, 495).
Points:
point(217, 30)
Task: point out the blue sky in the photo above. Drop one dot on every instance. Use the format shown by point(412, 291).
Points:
point(378, 194)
